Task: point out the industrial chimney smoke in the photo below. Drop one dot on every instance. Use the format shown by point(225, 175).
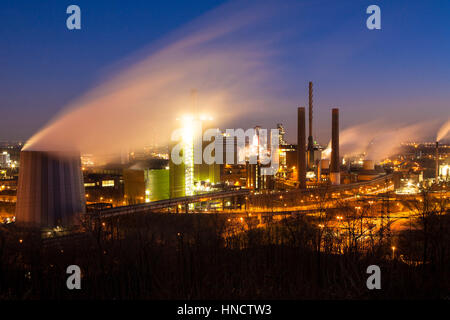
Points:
point(335, 175)
point(51, 190)
point(301, 148)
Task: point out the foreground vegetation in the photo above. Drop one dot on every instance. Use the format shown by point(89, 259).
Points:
point(186, 256)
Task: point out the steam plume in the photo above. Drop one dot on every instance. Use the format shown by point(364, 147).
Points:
point(140, 104)
point(378, 141)
point(443, 131)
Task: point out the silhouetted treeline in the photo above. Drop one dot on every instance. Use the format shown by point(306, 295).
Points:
point(201, 256)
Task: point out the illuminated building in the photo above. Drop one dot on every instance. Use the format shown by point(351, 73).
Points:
point(444, 171)
point(281, 133)
point(104, 184)
point(5, 159)
point(253, 176)
point(369, 171)
point(188, 178)
point(253, 170)
point(287, 152)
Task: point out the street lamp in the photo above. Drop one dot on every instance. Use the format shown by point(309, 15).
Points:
point(393, 252)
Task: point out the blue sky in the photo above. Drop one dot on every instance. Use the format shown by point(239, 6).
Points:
point(401, 72)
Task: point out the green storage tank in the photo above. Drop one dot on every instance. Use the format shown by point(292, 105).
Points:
point(156, 184)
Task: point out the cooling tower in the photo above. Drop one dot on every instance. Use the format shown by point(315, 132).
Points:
point(369, 165)
point(335, 175)
point(301, 148)
point(50, 191)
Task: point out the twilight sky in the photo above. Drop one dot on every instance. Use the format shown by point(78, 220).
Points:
point(397, 76)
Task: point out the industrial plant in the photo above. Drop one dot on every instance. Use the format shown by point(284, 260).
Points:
point(257, 152)
point(56, 190)
point(352, 200)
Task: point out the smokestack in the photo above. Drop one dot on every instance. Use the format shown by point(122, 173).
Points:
point(301, 150)
point(437, 162)
point(51, 190)
point(310, 126)
point(335, 175)
point(310, 109)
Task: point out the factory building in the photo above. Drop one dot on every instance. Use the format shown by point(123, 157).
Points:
point(103, 184)
point(444, 171)
point(5, 159)
point(232, 173)
point(284, 150)
point(369, 171)
point(134, 186)
point(258, 145)
point(281, 134)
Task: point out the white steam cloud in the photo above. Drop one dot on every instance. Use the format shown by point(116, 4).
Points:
point(377, 140)
point(443, 131)
point(213, 55)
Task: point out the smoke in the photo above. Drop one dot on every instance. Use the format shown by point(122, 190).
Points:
point(216, 55)
point(443, 131)
point(231, 56)
point(376, 140)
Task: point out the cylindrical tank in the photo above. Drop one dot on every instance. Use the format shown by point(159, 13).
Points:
point(50, 189)
point(325, 164)
point(156, 184)
point(369, 165)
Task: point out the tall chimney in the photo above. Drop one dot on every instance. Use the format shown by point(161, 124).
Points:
point(310, 126)
point(437, 162)
point(301, 150)
point(335, 175)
